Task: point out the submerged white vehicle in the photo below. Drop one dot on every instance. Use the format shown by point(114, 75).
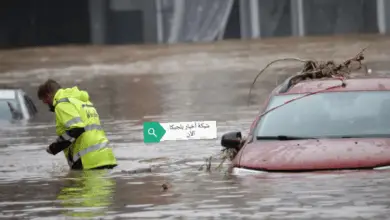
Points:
point(15, 104)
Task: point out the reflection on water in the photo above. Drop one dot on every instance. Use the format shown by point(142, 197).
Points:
point(132, 84)
point(87, 193)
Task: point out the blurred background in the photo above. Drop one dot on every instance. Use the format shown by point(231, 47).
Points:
point(45, 22)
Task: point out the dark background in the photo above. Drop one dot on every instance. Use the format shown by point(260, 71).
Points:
point(28, 23)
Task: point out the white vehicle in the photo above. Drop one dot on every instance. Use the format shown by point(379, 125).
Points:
point(15, 104)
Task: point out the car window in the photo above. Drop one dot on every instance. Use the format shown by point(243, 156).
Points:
point(5, 112)
point(328, 114)
point(30, 105)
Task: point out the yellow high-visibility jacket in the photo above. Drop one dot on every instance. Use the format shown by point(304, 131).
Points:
point(73, 110)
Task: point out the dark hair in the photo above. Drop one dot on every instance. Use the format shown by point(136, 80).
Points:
point(48, 87)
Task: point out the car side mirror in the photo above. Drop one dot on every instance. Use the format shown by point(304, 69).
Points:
point(231, 140)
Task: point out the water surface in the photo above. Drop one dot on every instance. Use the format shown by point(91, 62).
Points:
point(133, 84)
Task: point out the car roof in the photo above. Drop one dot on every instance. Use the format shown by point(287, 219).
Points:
point(354, 84)
point(8, 93)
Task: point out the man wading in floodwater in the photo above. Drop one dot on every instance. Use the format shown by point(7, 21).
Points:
point(80, 135)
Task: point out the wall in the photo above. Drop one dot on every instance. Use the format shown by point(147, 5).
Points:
point(133, 21)
point(43, 22)
point(194, 21)
point(268, 18)
point(340, 17)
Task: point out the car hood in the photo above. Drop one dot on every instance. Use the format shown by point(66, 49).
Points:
point(316, 154)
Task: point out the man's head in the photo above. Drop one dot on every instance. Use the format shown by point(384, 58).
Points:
point(46, 92)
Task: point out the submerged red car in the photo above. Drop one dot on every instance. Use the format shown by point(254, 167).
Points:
point(318, 125)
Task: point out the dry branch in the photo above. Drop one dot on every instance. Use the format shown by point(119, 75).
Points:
point(225, 154)
point(317, 70)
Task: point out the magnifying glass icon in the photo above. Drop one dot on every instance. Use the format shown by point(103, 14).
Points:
point(152, 132)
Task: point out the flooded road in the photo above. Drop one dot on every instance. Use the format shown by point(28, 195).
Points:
point(133, 84)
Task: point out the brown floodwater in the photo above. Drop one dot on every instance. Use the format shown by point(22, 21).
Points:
point(171, 83)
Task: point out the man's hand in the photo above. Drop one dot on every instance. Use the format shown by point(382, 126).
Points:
point(48, 149)
point(64, 141)
point(58, 146)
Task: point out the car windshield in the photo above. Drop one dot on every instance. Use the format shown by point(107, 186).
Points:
point(332, 114)
point(5, 112)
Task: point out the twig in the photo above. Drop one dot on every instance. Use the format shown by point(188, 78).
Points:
point(268, 65)
point(314, 70)
point(225, 154)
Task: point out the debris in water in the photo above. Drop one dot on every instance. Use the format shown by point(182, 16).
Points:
point(164, 187)
point(207, 164)
point(226, 154)
point(315, 70)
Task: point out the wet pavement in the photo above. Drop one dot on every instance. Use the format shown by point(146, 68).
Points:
point(133, 84)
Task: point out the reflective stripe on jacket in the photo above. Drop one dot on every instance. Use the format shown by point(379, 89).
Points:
point(74, 110)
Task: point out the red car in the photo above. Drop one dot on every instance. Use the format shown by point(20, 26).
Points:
point(325, 124)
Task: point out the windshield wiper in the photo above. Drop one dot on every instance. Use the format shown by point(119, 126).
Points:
point(283, 137)
point(365, 136)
